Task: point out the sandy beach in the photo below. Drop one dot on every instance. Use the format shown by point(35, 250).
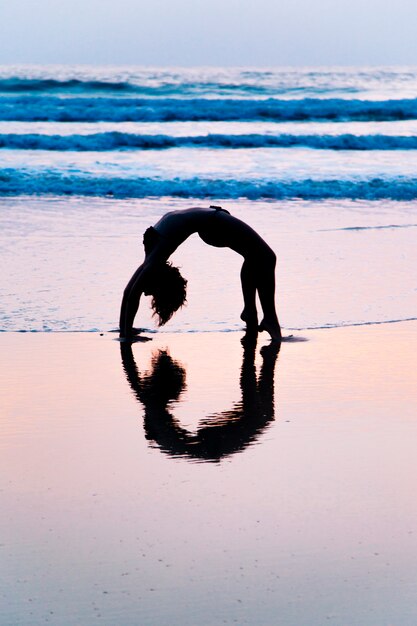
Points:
point(258, 488)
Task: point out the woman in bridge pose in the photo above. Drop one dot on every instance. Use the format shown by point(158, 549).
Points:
point(216, 227)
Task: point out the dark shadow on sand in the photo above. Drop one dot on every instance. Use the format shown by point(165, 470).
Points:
point(219, 435)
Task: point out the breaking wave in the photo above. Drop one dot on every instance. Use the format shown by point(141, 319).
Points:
point(25, 182)
point(168, 86)
point(118, 141)
point(87, 109)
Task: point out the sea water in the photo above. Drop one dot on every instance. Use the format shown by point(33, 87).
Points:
point(322, 162)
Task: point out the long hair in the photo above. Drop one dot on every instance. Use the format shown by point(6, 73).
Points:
point(169, 292)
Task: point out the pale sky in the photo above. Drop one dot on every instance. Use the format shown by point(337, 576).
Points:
point(209, 32)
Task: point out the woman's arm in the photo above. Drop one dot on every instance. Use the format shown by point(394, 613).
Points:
point(130, 301)
point(141, 282)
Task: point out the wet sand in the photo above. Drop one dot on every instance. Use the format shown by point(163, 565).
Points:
point(192, 481)
point(338, 263)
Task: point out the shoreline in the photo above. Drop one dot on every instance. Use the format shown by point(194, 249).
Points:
point(167, 332)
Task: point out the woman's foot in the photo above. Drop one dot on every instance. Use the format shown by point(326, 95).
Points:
point(251, 320)
point(273, 328)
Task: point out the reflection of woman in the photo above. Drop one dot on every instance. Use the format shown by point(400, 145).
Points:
point(164, 282)
point(219, 435)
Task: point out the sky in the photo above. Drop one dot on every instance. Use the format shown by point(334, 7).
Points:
point(209, 32)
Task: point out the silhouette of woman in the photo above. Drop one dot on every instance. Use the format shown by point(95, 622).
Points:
point(219, 435)
point(216, 227)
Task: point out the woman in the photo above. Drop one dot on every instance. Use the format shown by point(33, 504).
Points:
point(216, 227)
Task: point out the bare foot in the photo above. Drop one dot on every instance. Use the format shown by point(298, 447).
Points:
point(250, 319)
point(273, 328)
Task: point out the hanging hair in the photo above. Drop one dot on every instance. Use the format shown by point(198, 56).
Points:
point(169, 292)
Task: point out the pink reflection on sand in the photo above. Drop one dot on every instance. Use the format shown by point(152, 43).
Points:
point(319, 516)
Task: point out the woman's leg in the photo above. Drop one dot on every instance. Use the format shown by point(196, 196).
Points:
point(265, 285)
point(248, 280)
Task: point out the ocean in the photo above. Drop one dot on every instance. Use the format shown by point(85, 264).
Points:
point(321, 161)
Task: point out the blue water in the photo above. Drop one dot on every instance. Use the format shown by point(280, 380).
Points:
point(278, 117)
point(322, 163)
